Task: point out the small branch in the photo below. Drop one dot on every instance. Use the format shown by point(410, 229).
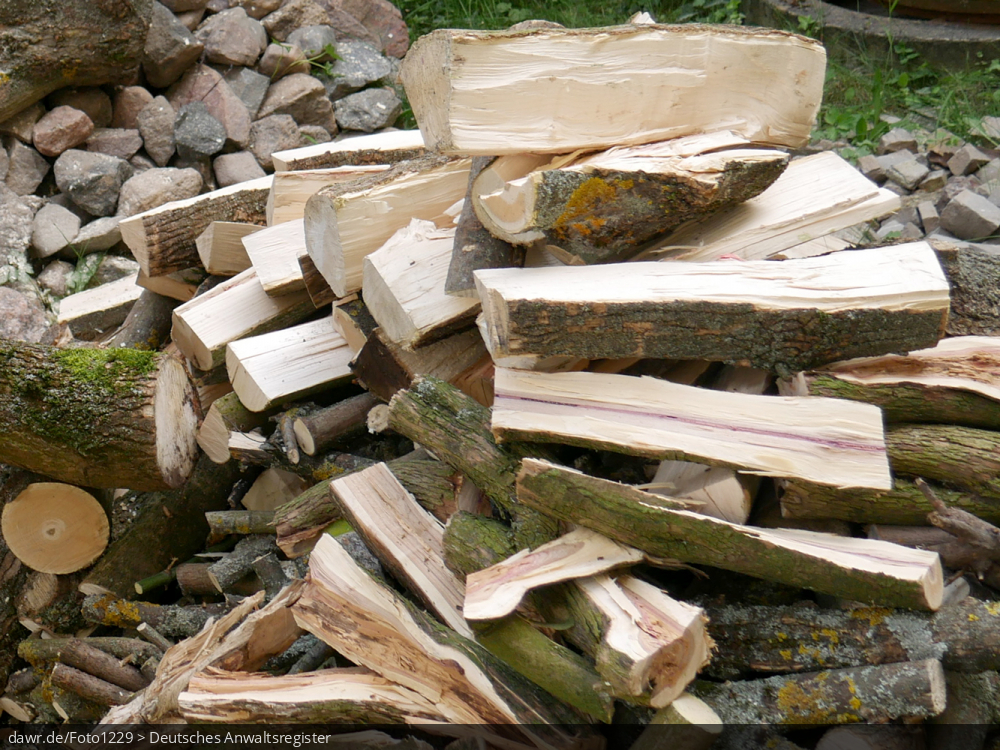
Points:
point(969, 528)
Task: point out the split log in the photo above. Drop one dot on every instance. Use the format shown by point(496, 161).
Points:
point(686, 724)
point(163, 238)
point(147, 325)
point(274, 487)
point(756, 639)
point(713, 491)
point(404, 286)
point(816, 196)
point(657, 419)
point(170, 526)
point(475, 247)
point(955, 553)
point(605, 207)
point(319, 430)
point(777, 316)
point(468, 684)
point(39, 56)
point(385, 368)
point(227, 415)
point(955, 382)
point(255, 450)
point(344, 223)
point(221, 249)
point(97, 418)
point(288, 364)
point(55, 528)
point(274, 253)
point(552, 108)
point(496, 591)
point(354, 322)
point(856, 569)
point(837, 696)
point(235, 309)
point(316, 287)
point(473, 542)
point(456, 429)
point(179, 285)
point(386, 147)
point(92, 313)
point(291, 190)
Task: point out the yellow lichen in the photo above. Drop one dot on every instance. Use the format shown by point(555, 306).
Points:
point(874, 615)
point(993, 608)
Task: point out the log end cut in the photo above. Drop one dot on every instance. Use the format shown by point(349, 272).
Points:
point(176, 413)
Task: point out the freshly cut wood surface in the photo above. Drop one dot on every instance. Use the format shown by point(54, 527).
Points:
point(788, 315)
point(686, 724)
point(496, 591)
point(55, 528)
point(406, 538)
point(823, 441)
point(163, 238)
point(404, 286)
point(861, 570)
point(274, 253)
point(274, 487)
point(226, 415)
point(344, 223)
point(99, 310)
point(605, 207)
point(221, 250)
point(179, 285)
point(816, 196)
point(233, 310)
point(558, 90)
point(287, 364)
point(291, 190)
point(955, 382)
point(387, 147)
point(714, 491)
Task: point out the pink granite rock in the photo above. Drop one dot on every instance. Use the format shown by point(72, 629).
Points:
point(61, 129)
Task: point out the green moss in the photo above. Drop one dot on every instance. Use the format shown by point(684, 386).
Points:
point(111, 370)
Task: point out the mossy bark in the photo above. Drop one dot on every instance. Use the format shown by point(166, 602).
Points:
point(960, 457)
point(974, 276)
point(473, 542)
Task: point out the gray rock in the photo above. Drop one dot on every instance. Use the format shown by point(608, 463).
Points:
point(929, 217)
point(141, 162)
point(292, 15)
point(200, 164)
point(383, 21)
point(970, 216)
point(92, 180)
point(936, 179)
point(891, 229)
point(990, 173)
point(182, 6)
point(371, 110)
point(231, 169)
point(4, 163)
point(955, 186)
point(896, 157)
point(156, 126)
point(129, 102)
point(301, 96)
point(115, 142)
point(897, 139)
point(280, 60)
point(202, 83)
point(249, 86)
point(271, 134)
point(63, 199)
point(994, 197)
point(110, 268)
point(191, 18)
point(313, 134)
point(259, 8)
point(967, 160)
point(22, 317)
point(89, 99)
point(360, 65)
point(313, 41)
point(62, 128)
point(232, 38)
point(907, 174)
point(55, 277)
point(15, 229)
point(100, 234)
point(22, 124)
point(197, 133)
point(26, 168)
point(170, 48)
point(154, 187)
point(53, 229)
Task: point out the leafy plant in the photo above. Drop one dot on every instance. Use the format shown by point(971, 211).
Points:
point(320, 62)
point(86, 269)
point(710, 11)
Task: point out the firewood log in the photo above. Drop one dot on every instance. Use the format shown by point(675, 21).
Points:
point(274, 253)
point(89, 687)
point(386, 147)
point(713, 491)
point(850, 568)
point(686, 724)
point(179, 285)
point(92, 313)
point(163, 239)
point(319, 430)
point(169, 619)
point(355, 322)
point(147, 325)
point(552, 108)
point(973, 706)
point(221, 249)
point(104, 418)
point(872, 737)
point(769, 320)
point(224, 416)
point(51, 603)
point(346, 222)
point(291, 190)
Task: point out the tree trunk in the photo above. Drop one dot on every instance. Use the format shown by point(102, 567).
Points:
point(960, 457)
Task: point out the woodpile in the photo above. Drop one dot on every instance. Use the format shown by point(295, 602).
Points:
point(577, 421)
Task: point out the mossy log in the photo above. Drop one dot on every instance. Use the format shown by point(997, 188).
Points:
point(961, 457)
point(97, 417)
point(169, 619)
point(849, 568)
point(48, 45)
point(974, 276)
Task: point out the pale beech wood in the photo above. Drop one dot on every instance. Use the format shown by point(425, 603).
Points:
point(354, 322)
point(557, 90)
point(816, 196)
point(407, 539)
point(345, 223)
point(291, 190)
point(221, 250)
point(288, 364)
point(386, 147)
point(99, 310)
point(274, 253)
point(272, 488)
point(404, 286)
point(235, 309)
point(163, 238)
point(686, 724)
point(824, 441)
point(55, 528)
point(496, 591)
point(224, 416)
point(180, 285)
point(714, 491)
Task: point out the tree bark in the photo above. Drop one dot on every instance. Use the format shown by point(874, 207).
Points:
point(961, 457)
point(89, 687)
point(169, 619)
point(974, 276)
point(319, 430)
point(147, 326)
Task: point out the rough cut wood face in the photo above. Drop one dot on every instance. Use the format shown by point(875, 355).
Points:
point(274, 253)
point(103, 307)
point(825, 441)
point(558, 90)
point(291, 190)
point(220, 249)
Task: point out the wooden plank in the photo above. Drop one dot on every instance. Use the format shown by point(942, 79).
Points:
point(291, 190)
point(386, 147)
point(274, 253)
point(220, 249)
point(555, 90)
point(823, 441)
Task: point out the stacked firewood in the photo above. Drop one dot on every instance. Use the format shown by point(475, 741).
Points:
point(567, 410)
